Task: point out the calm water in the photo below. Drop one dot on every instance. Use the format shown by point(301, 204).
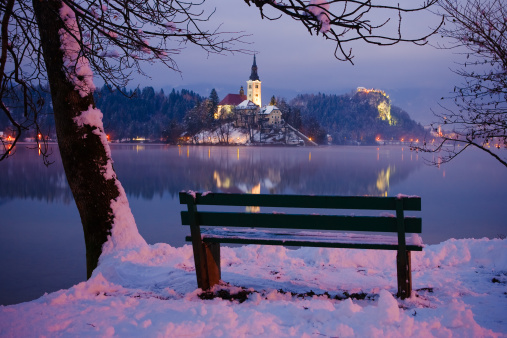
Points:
point(42, 245)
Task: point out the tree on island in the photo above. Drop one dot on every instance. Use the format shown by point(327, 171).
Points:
point(479, 118)
point(66, 42)
point(213, 101)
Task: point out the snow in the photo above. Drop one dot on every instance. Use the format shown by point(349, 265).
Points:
point(76, 65)
point(400, 196)
point(192, 193)
point(247, 104)
point(266, 110)
point(459, 290)
point(150, 290)
point(239, 136)
point(170, 25)
point(124, 233)
point(320, 8)
point(308, 236)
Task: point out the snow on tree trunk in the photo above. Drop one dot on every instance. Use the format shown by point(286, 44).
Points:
point(106, 217)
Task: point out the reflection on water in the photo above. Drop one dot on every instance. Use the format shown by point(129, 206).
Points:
point(383, 180)
point(41, 240)
point(148, 171)
point(25, 176)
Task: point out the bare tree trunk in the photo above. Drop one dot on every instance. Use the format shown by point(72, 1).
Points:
point(83, 152)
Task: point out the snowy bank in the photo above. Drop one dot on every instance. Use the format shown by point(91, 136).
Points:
point(460, 288)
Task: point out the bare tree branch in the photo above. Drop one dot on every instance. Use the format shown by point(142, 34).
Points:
point(345, 21)
point(479, 116)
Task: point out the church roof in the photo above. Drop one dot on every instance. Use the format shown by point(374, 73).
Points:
point(232, 100)
point(254, 76)
point(247, 104)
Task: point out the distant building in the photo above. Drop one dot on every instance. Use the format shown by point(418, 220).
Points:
point(254, 86)
point(247, 108)
point(246, 113)
point(271, 115)
point(229, 102)
point(367, 91)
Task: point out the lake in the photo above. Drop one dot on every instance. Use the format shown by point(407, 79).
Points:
point(41, 240)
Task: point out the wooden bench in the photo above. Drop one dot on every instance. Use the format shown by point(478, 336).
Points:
point(250, 228)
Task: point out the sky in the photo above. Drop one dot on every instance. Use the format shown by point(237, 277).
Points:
point(291, 61)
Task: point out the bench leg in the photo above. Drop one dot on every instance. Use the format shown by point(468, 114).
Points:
point(404, 274)
point(213, 263)
point(207, 264)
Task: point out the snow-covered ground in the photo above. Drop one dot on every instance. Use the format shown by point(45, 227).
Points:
point(239, 136)
point(459, 290)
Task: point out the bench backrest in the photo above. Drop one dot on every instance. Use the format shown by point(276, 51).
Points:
point(399, 224)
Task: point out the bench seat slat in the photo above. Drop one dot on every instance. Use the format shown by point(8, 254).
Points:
point(303, 201)
point(307, 238)
point(296, 221)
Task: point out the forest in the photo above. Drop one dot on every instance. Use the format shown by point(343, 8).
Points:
point(362, 116)
point(359, 117)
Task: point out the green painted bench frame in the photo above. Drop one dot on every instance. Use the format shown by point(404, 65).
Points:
point(207, 250)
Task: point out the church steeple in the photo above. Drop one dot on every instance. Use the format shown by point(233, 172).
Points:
point(254, 76)
point(254, 85)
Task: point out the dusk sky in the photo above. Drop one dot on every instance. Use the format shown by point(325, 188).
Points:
point(290, 61)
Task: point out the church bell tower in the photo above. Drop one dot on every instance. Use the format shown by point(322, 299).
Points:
point(254, 85)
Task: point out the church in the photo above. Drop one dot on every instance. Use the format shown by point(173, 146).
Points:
point(247, 108)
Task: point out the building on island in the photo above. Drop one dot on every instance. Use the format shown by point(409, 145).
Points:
point(271, 115)
point(246, 113)
point(247, 108)
point(254, 86)
point(241, 119)
point(227, 105)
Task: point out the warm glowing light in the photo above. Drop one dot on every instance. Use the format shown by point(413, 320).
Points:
point(40, 136)
point(221, 183)
point(256, 190)
point(383, 179)
point(367, 91)
point(108, 138)
point(402, 140)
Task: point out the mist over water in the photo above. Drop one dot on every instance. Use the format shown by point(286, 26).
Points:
point(41, 240)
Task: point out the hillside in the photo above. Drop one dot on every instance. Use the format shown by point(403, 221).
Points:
point(361, 116)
